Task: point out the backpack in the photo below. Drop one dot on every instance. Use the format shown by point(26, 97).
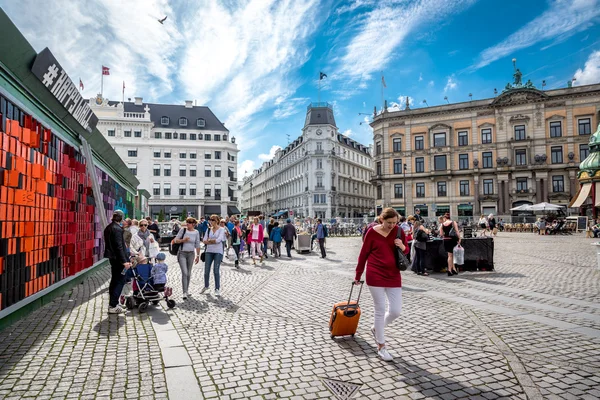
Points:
point(325, 233)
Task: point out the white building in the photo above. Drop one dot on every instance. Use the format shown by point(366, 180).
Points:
point(182, 154)
point(322, 173)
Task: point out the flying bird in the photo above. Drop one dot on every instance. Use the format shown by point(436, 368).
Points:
point(162, 20)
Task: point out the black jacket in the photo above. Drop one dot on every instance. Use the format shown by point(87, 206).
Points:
point(288, 232)
point(114, 243)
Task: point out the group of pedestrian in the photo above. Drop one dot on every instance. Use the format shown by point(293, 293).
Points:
point(488, 225)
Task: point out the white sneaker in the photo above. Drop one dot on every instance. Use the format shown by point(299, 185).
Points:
point(217, 292)
point(184, 296)
point(203, 290)
point(385, 355)
point(115, 310)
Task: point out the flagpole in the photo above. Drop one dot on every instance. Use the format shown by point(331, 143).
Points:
point(381, 91)
point(102, 83)
point(319, 89)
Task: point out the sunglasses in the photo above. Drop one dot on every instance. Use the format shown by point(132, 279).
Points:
point(143, 224)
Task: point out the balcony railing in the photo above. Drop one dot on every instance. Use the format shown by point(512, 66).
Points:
point(321, 104)
point(134, 115)
point(319, 187)
point(319, 151)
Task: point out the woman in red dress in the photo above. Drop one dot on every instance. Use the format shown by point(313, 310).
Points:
point(378, 253)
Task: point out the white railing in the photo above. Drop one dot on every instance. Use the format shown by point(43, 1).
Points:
point(134, 115)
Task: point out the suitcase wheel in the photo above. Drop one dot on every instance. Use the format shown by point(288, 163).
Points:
point(353, 335)
point(332, 336)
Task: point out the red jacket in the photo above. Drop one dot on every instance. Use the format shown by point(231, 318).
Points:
point(260, 234)
point(378, 253)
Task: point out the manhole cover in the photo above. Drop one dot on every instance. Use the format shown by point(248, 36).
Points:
point(341, 390)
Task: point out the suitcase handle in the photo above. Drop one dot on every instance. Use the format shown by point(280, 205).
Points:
point(359, 292)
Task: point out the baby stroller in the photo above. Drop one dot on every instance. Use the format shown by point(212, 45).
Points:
point(144, 290)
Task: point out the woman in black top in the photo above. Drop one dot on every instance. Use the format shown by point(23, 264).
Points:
point(492, 222)
point(269, 229)
point(450, 241)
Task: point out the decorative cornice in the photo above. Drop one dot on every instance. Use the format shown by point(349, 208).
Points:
point(555, 117)
point(439, 126)
point(487, 112)
point(519, 118)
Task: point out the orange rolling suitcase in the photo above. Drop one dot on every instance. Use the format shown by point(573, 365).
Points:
point(345, 316)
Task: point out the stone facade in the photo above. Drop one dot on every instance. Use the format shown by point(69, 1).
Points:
point(322, 173)
point(486, 156)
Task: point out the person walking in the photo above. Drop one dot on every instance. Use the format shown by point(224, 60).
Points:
point(276, 238)
point(147, 237)
point(269, 230)
point(115, 251)
point(230, 224)
point(153, 228)
point(256, 238)
point(321, 237)
point(289, 234)
point(214, 239)
point(236, 241)
point(492, 224)
point(483, 224)
point(450, 241)
point(421, 235)
point(202, 227)
point(378, 254)
point(265, 241)
point(189, 252)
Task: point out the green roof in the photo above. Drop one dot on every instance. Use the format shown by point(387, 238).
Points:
point(591, 164)
point(16, 58)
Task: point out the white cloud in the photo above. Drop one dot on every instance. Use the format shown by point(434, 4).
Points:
point(288, 107)
point(590, 72)
point(348, 132)
point(563, 19)
point(364, 104)
point(431, 83)
point(450, 84)
point(401, 104)
point(267, 157)
point(420, 77)
point(245, 168)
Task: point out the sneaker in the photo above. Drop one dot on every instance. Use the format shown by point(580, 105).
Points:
point(184, 296)
point(384, 354)
point(115, 310)
point(203, 290)
point(217, 292)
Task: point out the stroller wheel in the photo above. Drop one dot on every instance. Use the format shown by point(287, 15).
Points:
point(129, 303)
point(171, 303)
point(143, 307)
point(155, 302)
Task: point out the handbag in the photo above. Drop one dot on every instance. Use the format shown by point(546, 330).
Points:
point(452, 234)
point(174, 247)
point(402, 262)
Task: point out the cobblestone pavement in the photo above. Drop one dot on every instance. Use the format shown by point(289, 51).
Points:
point(530, 329)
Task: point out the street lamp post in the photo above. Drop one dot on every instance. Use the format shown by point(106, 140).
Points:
point(404, 188)
point(250, 196)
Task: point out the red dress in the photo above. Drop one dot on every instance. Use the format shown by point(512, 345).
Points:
point(378, 254)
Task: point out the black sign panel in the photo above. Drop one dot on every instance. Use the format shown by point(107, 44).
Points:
point(55, 78)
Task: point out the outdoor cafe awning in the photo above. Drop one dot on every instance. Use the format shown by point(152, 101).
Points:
point(581, 195)
point(280, 213)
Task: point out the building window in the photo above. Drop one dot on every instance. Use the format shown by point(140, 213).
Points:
point(377, 148)
point(164, 120)
point(442, 189)
point(520, 132)
point(182, 136)
point(200, 123)
point(555, 129)
point(167, 170)
point(156, 170)
point(182, 191)
point(167, 190)
point(131, 153)
point(464, 188)
point(133, 168)
point(157, 135)
point(521, 157)
point(398, 166)
point(207, 137)
point(207, 173)
point(463, 161)
point(127, 133)
point(167, 154)
point(182, 172)
point(111, 132)
point(378, 167)
point(217, 155)
point(488, 186)
point(168, 135)
point(217, 173)
point(439, 139)
point(193, 136)
point(419, 143)
point(585, 126)
point(439, 163)
point(379, 192)
point(207, 193)
point(183, 121)
point(556, 155)
point(156, 190)
point(558, 183)
point(224, 138)
point(398, 191)
point(420, 164)
point(584, 151)
point(192, 172)
point(463, 138)
point(397, 145)
point(487, 160)
point(319, 164)
point(217, 138)
point(193, 156)
point(192, 190)
point(420, 189)
point(182, 155)
point(521, 184)
point(157, 154)
point(486, 136)
point(137, 134)
point(207, 156)
point(320, 147)
point(324, 198)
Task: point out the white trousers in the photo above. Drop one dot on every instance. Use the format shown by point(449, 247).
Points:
point(383, 318)
point(256, 247)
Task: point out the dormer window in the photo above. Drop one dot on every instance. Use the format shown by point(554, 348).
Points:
point(183, 121)
point(201, 123)
point(164, 120)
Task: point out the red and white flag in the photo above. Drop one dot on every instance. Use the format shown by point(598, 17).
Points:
point(80, 84)
point(105, 70)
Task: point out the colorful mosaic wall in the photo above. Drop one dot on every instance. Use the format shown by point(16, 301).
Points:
point(49, 229)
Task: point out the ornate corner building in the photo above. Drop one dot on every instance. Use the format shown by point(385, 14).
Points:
point(485, 156)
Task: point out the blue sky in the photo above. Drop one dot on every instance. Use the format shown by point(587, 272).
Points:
point(257, 63)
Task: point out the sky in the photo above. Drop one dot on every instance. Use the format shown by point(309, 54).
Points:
point(256, 63)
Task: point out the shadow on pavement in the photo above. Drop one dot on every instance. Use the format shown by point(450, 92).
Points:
point(110, 325)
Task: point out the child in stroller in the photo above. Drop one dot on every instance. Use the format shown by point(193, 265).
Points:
point(148, 285)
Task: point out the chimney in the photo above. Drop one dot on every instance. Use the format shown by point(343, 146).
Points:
point(188, 104)
point(138, 101)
